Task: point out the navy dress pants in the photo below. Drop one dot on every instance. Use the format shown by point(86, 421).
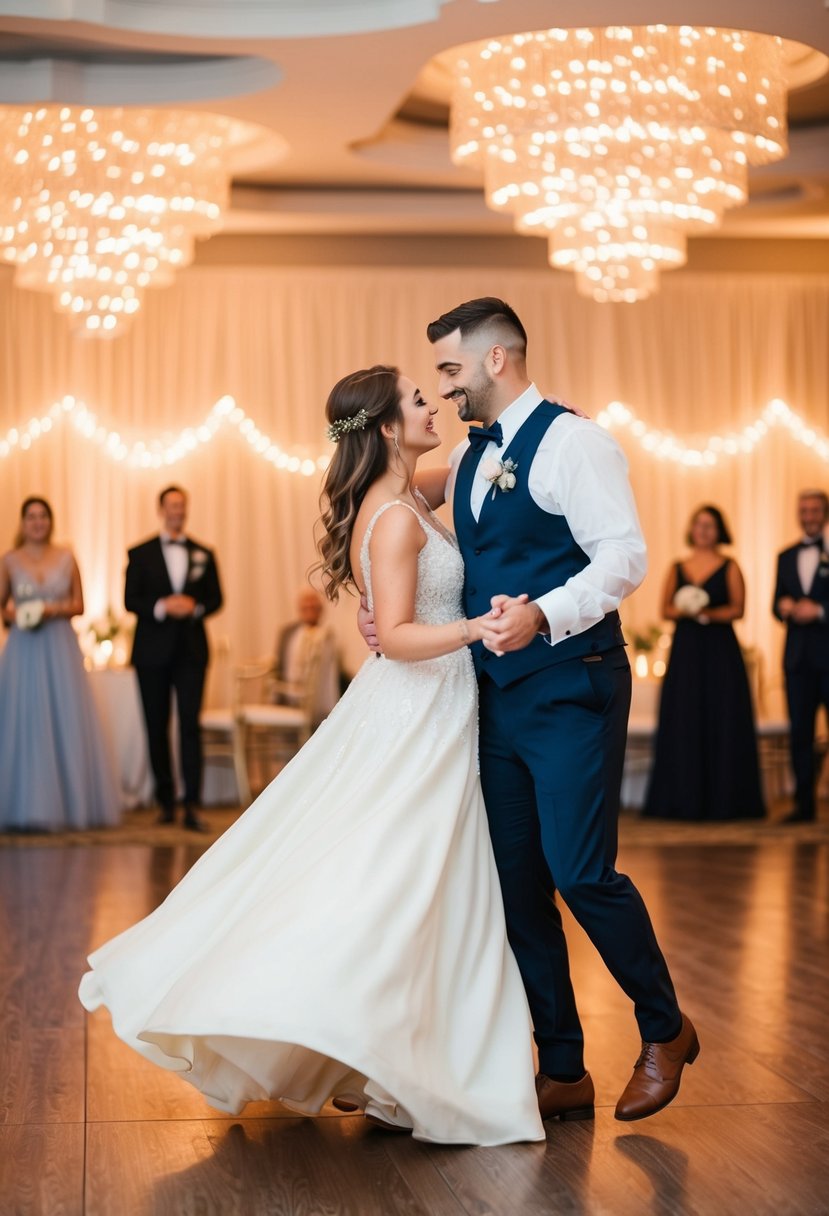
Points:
point(552, 748)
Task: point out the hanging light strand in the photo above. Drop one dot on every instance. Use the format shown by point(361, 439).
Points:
point(663, 445)
point(160, 451)
point(167, 450)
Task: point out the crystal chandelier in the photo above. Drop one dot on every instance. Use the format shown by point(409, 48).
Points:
point(616, 143)
point(98, 204)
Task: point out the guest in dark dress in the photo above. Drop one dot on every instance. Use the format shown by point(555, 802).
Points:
point(705, 760)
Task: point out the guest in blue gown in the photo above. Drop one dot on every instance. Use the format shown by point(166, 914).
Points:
point(705, 760)
point(55, 770)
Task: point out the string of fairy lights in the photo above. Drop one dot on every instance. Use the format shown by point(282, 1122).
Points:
point(664, 445)
point(165, 449)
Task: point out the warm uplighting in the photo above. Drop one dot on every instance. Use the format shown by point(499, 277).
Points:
point(618, 142)
point(98, 204)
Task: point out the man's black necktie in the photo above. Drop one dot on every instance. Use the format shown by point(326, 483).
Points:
point(809, 544)
point(171, 540)
point(479, 436)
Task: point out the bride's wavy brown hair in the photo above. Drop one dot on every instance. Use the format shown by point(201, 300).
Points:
point(360, 457)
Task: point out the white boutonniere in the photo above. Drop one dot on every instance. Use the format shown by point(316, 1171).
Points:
point(29, 614)
point(198, 563)
point(500, 473)
point(823, 564)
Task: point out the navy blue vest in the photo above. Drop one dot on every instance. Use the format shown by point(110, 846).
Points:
point(517, 547)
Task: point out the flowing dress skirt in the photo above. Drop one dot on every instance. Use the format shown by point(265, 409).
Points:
point(346, 936)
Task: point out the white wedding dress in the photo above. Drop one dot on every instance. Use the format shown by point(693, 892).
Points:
point(346, 936)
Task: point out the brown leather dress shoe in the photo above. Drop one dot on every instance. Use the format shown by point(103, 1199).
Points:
point(565, 1100)
point(657, 1073)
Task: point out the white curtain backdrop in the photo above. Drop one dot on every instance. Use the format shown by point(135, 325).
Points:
point(703, 357)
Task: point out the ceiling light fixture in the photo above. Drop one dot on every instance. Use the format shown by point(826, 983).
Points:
point(616, 143)
point(98, 204)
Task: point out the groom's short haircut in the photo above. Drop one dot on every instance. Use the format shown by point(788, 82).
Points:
point(488, 312)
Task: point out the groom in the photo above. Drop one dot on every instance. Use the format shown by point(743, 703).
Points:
point(561, 537)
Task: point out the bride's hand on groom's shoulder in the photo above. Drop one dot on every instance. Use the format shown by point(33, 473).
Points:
point(568, 405)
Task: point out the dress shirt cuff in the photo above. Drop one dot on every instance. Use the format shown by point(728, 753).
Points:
point(562, 615)
point(160, 610)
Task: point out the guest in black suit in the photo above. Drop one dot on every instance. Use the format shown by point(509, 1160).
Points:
point(801, 601)
point(172, 585)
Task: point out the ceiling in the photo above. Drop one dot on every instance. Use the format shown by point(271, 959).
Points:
point(353, 97)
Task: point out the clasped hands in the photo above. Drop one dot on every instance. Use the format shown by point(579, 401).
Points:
point(802, 612)
point(179, 605)
point(511, 624)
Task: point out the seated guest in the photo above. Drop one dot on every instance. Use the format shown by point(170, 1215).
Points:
point(56, 773)
point(297, 643)
point(705, 758)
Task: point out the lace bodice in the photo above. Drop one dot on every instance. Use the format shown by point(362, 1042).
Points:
point(439, 594)
point(54, 582)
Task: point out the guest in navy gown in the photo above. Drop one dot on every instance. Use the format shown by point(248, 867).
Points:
point(705, 760)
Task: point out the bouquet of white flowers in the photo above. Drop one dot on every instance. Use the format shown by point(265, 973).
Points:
point(690, 600)
point(29, 614)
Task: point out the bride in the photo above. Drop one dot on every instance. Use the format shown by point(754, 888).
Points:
point(345, 938)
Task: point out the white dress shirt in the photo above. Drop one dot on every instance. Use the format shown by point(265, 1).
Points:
point(177, 561)
point(579, 471)
point(808, 560)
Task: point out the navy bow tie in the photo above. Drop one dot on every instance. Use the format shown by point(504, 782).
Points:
point(479, 436)
point(809, 544)
point(171, 540)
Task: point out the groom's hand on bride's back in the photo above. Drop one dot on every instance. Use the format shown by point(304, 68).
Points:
point(366, 625)
point(513, 623)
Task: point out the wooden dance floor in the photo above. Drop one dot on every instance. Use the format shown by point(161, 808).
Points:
point(87, 1127)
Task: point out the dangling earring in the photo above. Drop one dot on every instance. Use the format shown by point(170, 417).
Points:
point(396, 445)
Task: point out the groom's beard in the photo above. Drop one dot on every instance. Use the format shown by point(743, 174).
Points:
point(473, 403)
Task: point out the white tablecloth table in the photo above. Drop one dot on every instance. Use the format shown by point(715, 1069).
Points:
point(118, 701)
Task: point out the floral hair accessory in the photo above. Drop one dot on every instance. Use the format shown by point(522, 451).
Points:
point(500, 473)
point(342, 426)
